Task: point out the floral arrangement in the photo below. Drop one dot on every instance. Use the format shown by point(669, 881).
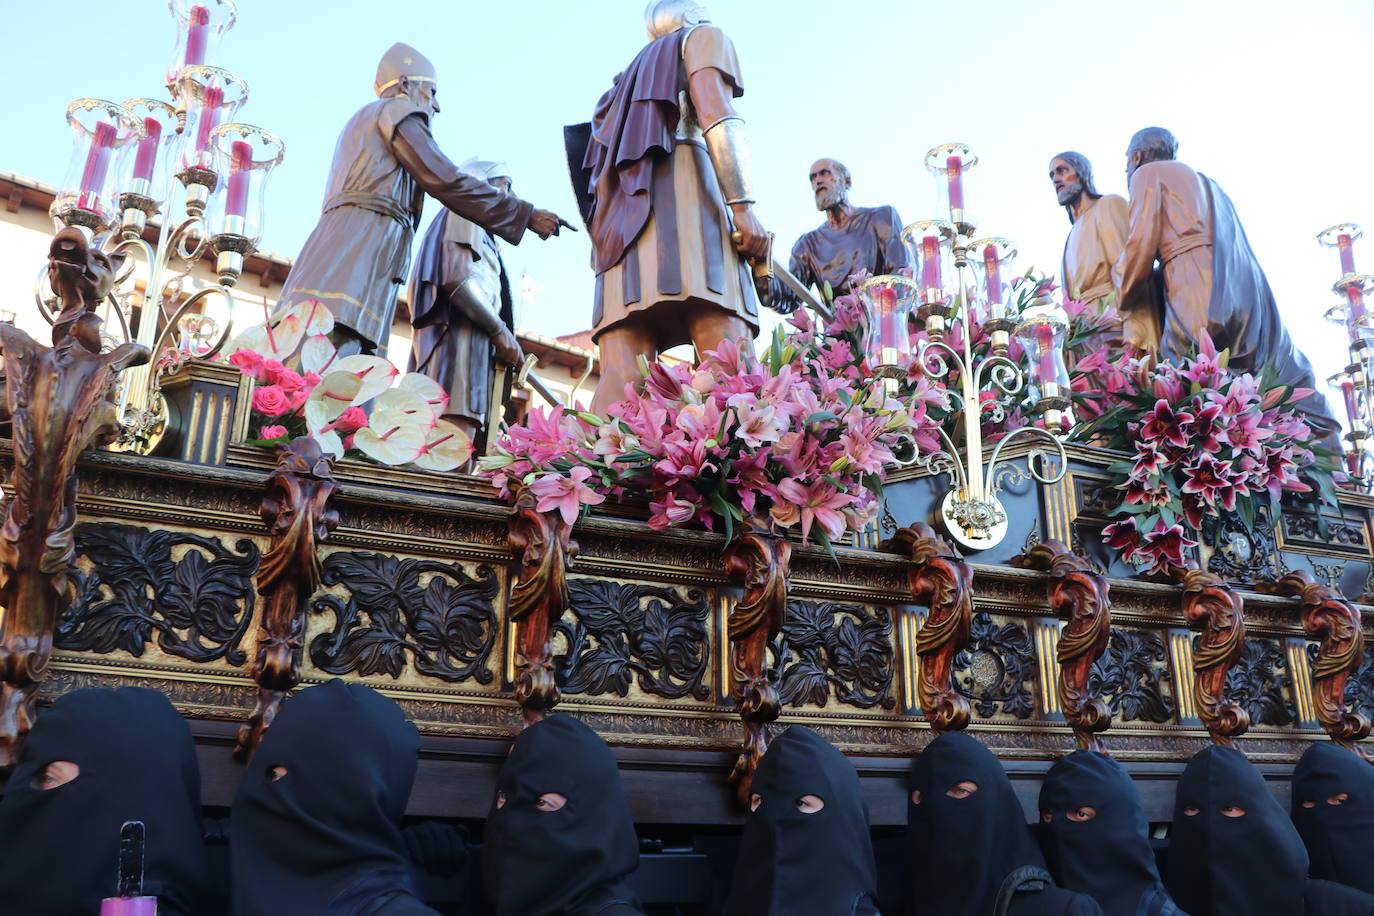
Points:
point(1202, 439)
point(304, 388)
point(797, 439)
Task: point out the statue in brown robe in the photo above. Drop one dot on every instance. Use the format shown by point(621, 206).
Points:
point(461, 309)
point(665, 173)
point(1211, 279)
point(850, 240)
point(385, 162)
point(1097, 233)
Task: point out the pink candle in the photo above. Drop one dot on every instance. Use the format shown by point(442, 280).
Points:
point(147, 149)
point(198, 28)
point(1049, 372)
point(97, 165)
point(954, 168)
point(1348, 393)
point(236, 204)
point(990, 263)
point(930, 264)
point(887, 317)
point(209, 117)
point(1344, 244)
point(1355, 314)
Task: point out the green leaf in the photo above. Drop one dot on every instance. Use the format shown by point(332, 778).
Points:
point(824, 540)
point(819, 416)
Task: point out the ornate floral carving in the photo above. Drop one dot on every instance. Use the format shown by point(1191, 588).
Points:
point(760, 563)
point(1329, 618)
point(1340, 532)
point(1209, 603)
point(296, 510)
point(58, 399)
point(191, 593)
point(1130, 675)
point(542, 547)
point(996, 668)
point(1243, 554)
point(841, 647)
point(1359, 690)
point(941, 580)
point(1260, 682)
point(620, 633)
point(447, 624)
point(1080, 597)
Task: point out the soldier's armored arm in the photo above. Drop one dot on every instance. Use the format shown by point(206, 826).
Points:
point(477, 301)
point(495, 210)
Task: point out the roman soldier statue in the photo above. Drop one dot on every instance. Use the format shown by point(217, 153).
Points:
point(1211, 279)
point(662, 173)
point(460, 307)
point(385, 162)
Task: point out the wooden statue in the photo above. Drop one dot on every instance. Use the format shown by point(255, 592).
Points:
point(543, 549)
point(943, 582)
point(59, 402)
point(1215, 607)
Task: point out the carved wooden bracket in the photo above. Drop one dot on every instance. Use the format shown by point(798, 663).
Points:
point(760, 563)
point(296, 510)
point(59, 402)
point(1078, 595)
point(1328, 617)
point(542, 545)
point(1209, 603)
point(943, 582)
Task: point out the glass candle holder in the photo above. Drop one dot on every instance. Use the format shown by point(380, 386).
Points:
point(1342, 237)
point(930, 241)
point(245, 156)
point(888, 301)
point(211, 97)
point(102, 135)
point(1042, 330)
point(992, 262)
point(201, 25)
point(950, 163)
point(143, 188)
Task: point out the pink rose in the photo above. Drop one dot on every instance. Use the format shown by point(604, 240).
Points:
point(271, 369)
point(249, 363)
point(271, 401)
point(352, 420)
point(272, 432)
point(289, 380)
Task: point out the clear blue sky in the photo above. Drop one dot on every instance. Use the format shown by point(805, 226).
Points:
point(1248, 86)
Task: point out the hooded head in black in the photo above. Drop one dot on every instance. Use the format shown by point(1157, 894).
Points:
point(133, 760)
point(315, 826)
point(973, 853)
point(806, 846)
point(559, 840)
point(1097, 837)
point(1333, 809)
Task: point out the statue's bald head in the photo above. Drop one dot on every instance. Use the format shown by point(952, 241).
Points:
point(830, 182)
point(1151, 144)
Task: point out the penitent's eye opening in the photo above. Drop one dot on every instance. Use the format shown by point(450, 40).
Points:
point(1233, 811)
point(1309, 803)
point(962, 789)
point(1339, 798)
point(500, 799)
point(915, 796)
point(277, 772)
point(810, 804)
point(57, 773)
point(1085, 813)
point(754, 801)
point(551, 801)
point(1191, 811)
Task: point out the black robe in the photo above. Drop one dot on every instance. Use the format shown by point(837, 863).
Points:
point(1222, 862)
point(569, 862)
point(1339, 837)
point(1107, 856)
point(975, 856)
point(59, 847)
point(325, 838)
point(791, 861)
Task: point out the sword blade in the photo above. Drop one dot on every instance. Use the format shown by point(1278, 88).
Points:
point(802, 293)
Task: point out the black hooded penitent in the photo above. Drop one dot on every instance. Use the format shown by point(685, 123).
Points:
point(324, 837)
point(974, 855)
point(1108, 854)
point(1338, 832)
point(59, 847)
point(568, 862)
point(794, 862)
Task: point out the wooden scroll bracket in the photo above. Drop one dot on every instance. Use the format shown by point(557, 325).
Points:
point(1079, 596)
point(543, 550)
point(760, 563)
point(1329, 618)
point(58, 399)
point(1214, 607)
point(942, 581)
point(295, 508)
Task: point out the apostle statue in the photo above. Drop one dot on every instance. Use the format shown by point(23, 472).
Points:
point(663, 175)
point(1211, 279)
point(460, 307)
point(385, 162)
point(850, 240)
point(1097, 233)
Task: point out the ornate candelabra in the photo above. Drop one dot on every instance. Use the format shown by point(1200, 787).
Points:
point(128, 162)
point(972, 512)
point(1353, 382)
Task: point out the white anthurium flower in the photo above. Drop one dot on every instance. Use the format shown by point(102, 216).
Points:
point(375, 372)
point(446, 448)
